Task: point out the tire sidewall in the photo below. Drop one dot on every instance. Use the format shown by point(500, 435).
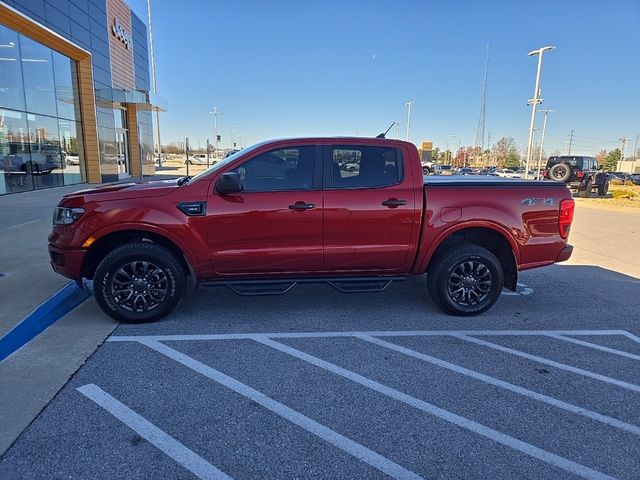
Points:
point(109, 267)
point(565, 167)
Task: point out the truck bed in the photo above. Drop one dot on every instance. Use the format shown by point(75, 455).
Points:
point(484, 181)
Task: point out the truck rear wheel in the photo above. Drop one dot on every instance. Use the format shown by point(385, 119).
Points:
point(465, 280)
point(603, 188)
point(139, 282)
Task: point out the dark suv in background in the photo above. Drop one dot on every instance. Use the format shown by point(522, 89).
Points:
point(582, 174)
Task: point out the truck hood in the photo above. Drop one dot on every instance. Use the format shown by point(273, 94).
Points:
point(121, 191)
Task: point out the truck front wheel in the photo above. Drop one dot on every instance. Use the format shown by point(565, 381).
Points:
point(139, 282)
point(465, 279)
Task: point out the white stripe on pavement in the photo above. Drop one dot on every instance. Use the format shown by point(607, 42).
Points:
point(391, 333)
point(552, 363)
point(595, 346)
point(627, 427)
point(334, 438)
point(147, 430)
point(499, 437)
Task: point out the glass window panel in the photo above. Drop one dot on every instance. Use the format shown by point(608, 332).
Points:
point(365, 167)
point(72, 152)
point(11, 88)
point(66, 88)
point(279, 170)
point(46, 156)
point(37, 71)
point(14, 152)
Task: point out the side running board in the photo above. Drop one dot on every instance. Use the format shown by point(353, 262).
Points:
point(281, 286)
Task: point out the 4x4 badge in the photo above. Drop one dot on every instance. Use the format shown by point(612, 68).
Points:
point(539, 201)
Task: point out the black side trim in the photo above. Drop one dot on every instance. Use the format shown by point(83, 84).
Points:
point(280, 286)
point(193, 209)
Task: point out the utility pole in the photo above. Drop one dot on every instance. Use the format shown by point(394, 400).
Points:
point(570, 143)
point(408, 105)
point(489, 147)
point(635, 148)
point(398, 130)
point(624, 141)
point(544, 130)
point(153, 78)
point(534, 102)
point(215, 112)
point(232, 132)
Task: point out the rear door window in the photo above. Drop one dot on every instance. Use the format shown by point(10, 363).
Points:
point(364, 167)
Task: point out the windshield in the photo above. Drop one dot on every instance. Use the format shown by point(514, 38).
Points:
point(223, 163)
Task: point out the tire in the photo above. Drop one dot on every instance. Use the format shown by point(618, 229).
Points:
point(560, 172)
point(481, 266)
point(586, 191)
point(146, 261)
point(603, 189)
point(426, 171)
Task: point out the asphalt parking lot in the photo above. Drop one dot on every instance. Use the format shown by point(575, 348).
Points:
point(318, 384)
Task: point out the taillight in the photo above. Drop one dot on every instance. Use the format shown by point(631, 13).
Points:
point(545, 174)
point(579, 174)
point(565, 218)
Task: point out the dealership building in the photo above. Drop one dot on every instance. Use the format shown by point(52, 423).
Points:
point(75, 101)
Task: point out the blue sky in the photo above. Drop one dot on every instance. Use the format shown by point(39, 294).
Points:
point(294, 68)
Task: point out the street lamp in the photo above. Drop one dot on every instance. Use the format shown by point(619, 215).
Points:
point(535, 101)
point(408, 105)
point(453, 157)
point(544, 129)
point(215, 112)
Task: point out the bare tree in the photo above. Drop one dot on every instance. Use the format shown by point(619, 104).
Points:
point(505, 152)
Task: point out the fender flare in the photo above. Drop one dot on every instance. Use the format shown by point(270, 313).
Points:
point(498, 228)
point(146, 227)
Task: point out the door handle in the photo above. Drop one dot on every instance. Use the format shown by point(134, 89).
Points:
point(302, 206)
point(394, 203)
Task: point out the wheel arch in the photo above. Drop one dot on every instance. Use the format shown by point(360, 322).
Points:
point(107, 241)
point(492, 237)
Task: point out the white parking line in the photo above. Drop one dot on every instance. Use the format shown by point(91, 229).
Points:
point(380, 333)
point(595, 346)
point(631, 337)
point(627, 427)
point(499, 437)
point(164, 442)
point(334, 438)
point(552, 363)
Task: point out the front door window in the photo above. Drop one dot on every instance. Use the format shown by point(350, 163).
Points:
point(122, 143)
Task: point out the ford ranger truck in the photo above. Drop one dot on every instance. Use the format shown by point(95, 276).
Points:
point(355, 213)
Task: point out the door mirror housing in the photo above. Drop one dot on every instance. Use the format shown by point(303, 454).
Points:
point(229, 183)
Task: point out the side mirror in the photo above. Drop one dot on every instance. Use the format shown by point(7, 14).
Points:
point(229, 183)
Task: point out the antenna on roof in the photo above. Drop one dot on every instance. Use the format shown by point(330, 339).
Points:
point(383, 135)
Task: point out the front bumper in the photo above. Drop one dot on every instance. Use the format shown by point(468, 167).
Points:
point(67, 262)
point(565, 253)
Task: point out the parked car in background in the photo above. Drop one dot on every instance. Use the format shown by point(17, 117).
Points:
point(579, 173)
point(464, 171)
point(487, 170)
point(635, 179)
point(506, 173)
point(439, 169)
point(199, 159)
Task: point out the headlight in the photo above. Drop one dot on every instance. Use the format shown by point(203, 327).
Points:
point(66, 216)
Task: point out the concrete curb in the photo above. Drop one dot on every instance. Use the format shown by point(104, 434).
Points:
point(43, 316)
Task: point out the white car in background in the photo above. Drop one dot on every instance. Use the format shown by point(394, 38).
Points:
point(506, 173)
point(200, 159)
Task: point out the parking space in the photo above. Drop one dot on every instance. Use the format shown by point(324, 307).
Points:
point(357, 404)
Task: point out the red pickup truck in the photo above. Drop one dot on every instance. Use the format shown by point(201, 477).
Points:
point(355, 213)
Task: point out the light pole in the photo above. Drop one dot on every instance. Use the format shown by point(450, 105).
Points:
point(408, 105)
point(233, 129)
point(544, 129)
point(153, 78)
point(398, 130)
point(453, 157)
point(534, 102)
point(215, 112)
point(624, 141)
